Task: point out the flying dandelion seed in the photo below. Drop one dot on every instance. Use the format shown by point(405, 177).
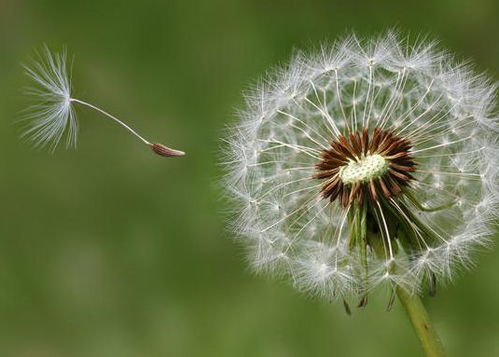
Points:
point(367, 163)
point(53, 116)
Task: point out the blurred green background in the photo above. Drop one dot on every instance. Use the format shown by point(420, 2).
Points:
point(112, 251)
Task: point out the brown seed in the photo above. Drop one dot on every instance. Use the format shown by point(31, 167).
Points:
point(162, 150)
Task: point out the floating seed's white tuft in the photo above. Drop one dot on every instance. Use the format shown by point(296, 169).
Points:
point(411, 89)
point(53, 115)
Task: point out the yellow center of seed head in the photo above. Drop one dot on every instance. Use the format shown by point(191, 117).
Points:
point(363, 170)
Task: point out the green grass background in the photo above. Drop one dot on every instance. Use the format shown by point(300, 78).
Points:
point(111, 251)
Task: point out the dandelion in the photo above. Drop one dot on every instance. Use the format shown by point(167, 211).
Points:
point(368, 163)
point(53, 116)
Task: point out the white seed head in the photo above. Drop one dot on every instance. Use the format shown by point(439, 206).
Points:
point(448, 192)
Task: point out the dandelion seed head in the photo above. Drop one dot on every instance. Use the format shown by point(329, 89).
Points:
point(392, 129)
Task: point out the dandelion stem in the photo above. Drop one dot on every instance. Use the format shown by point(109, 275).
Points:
point(413, 306)
point(112, 117)
point(421, 322)
point(362, 232)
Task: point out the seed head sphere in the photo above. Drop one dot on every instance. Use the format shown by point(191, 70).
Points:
point(366, 163)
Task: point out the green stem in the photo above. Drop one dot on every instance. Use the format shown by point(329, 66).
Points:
point(413, 306)
point(421, 322)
